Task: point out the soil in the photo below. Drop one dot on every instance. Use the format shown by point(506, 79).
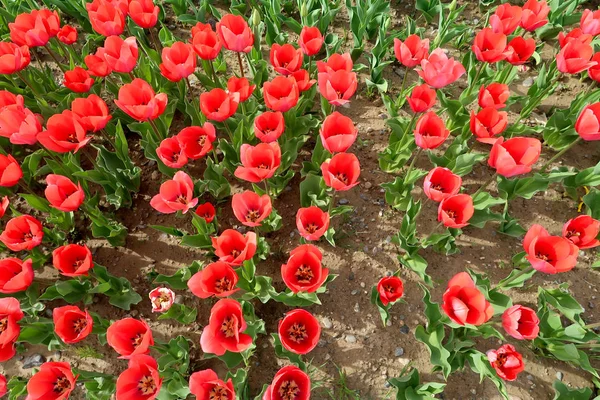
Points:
point(356, 342)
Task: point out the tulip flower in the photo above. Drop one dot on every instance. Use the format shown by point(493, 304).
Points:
point(129, 337)
point(16, 275)
point(494, 95)
point(205, 384)
point(488, 123)
point(421, 99)
point(9, 99)
point(73, 260)
point(582, 231)
point(138, 100)
point(440, 183)
point(141, 379)
point(3, 385)
point(71, 324)
point(250, 208)
point(13, 58)
point(241, 86)
point(64, 133)
point(303, 80)
point(120, 54)
point(575, 34)
point(78, 80)
point(311, 40)
point(289, 380)
point(439, 71)
point(54, 380)
point(489, 46)
point(206, 211)
point(588, 122)
point(285, 59)
point(590, 22)
point(534, 15)
point(19, 124)
point(312, 222)
point(175, 195)
point(10, 171)
point(216, 279)
point(4, 203)
point(35, 28)
point(410, 52)
point(304, 271)
point(92, 111)
point(171, 153)
point(144, 13)
point(218, 105)
point(258, 162)
point(234, 248)
point(281, 94)
point(521, 322)
point(514, 156)
point(197, 141)
point(106, 19)
point(336, 62)
point(162, 299)
point(390, 289)
point(464, 303)
point(455, 211)
point(10, 314)
point(575, 57)
point(67, 35)
point(549, 254)
point(235, 34)
point(269, 126)
point(22, 233)
point(519, 50)
point(178, 61)
point(337, 133)
point(97, 65)
point(299, 331)
point(430, 131)
point(225, 329)
point(341, 172)
point(337, 87)
point(506, 19)
point(63, 194)
point(507, 362)
point(206, 43)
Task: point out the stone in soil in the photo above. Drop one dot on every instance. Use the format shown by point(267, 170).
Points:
point(35, 360)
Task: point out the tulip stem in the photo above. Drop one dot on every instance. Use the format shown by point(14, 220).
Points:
point(228, 131)
point(239, 57)
point(156, 131)
point(131, 76)
point(216, 80)
point(309, 67)
point(54, 158)
point(403, 81)
point(331, 202)
point(157, 45)
point(266, 187)
point(474, 82)
point(107, 138)
point(90, 159)
point(557, 155)
point(20, 75)
point(485, 185)
point(62, 68)
point(518, 275)
point(412, 163)
point(26, 188)
point(592, 326)
point(189, 86)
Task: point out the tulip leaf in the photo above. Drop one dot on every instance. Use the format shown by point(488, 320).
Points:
point(563, 392)
point(479, 363)
point(181, 313)
point(281, 352)
point(17, 388)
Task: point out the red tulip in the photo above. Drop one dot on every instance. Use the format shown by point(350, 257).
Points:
point(290, 382)
point(341, 172)
point(141, 379)
point(171, 153)
point(489, 46)
point(201, 27)
point(299, 331)
point(197, 141)
point(9, 99)
point(10, 315)
point(22, 233)
point(138, 100)
point(336, 62)
point(16, 275)
point(63, 194)
point(311, 40)
point(92, 112)
point(10, 171)
point(441, 183)
point(430, 131)
point(439, 71)
point(590, 22)
point(464, 303)
point(13, 58)
point(234, 248)
point(250, 208)
point(269, 126)
point(241, 86)
point(97, 65)
point(175, 195)
point(534, 15)
point(285, 59)
point(312, 222)
point(410, 52)
point(64, 133)
point(206, 211)
point(54, 381)
point(337, 87)
point(549, 254)
point(3, 385)
point(67, 35)
point(206, 385)
point(120, 54)
point(235, 34)
point(390, 289)
point(206, 43)
point(519, 50)
point(106, 19)
point(514, 156)
point(304, 271)
point(494, 95)
point(129, 337)
point(338, 133)
point(575, 34)
point(144, 13)
point(506, 18)
point(281, 94)
point(4, 203)
point(178, 61)
point(225, 328)
point(488, 123)
point(575, 57)
point(521, 322)
point(258, 162)
point(588, 122)
point(78, 80)
point(162, 299)
point(455, 211)
point(582, 231)
point(35, 28)
point(73, 260)
point(216, 279)
point(303, 80)
point(19, 124)
point(507, 362)
point(218, 105)
point(421, 99)
point(71, 324)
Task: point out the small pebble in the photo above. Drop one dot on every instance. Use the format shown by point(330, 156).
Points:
point(350, 338)
point(326, 322)
point(399, 352)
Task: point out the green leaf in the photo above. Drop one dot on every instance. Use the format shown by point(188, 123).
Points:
point(563, 392)
point(178, 280)
point(181, 313)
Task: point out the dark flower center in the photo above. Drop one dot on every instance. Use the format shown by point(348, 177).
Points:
point(437, 187)
point(79, 325)
point(342, 178)
point(452, 214)
point(311, 228)
point(500, 360)
point(61, 385)
point(3, 324)
point(202, 140)
point(235, 253)
point(161, 299)
point(27, 236)
point(573, 233)
point(181, 199)
point(218, 392)
point(389, 289)
point(228, 327)
point(263, 166)
point(297, 332)
point(289, 390)
point(223, 285)
point(146, 385)
point(137, 340)
point(304, 274)
point(253, 216)
point(544, 257)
